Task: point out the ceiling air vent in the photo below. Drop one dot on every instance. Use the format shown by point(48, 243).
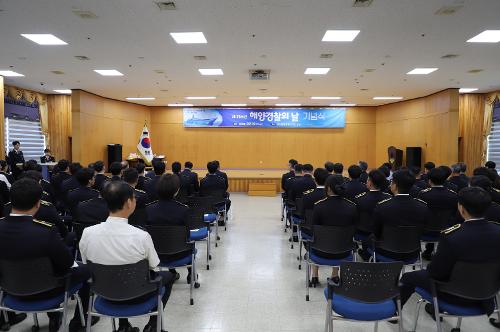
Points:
point(474, 71)
point(57, 72)
point(259, 75)
point(362, 3)
point(326, 55)
point(450, 56)
point(159, 71)
point(85, 14)
point(82, 57)
point(165, 5)
point(448, 10)
point(200, 57)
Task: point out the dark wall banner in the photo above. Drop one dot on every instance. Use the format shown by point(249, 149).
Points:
point(264, 117)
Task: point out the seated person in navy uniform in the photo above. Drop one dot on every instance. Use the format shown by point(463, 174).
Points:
point(71, 183)
point(312, 196)
point(213, 183)
point(185, 182)
point(151, 186)
point(354, 187)
point(131, 176)
point(61, 174)
point(439, 200)
point(84, 192)
point(387, 173)
point(116, 169)
point(193, 176)
point(298, 172)
point(47, 157)
point(420, 184)
point(222, 174)
point(329, 166)
point(143, 179)
point(334, 210)
point(290, 174)
point(48, 189)
point(23, 237)
point(338, 168)
point(4, 167)
point(100, 177)
point(456, 177)
point(427, 167)
point(475, 240)
point(302, 182)
point(400, 210)
point(92, 211)
point(447, 184)
point(492, 175)
point(493, 211)
point(366, 203)
point(364, 168)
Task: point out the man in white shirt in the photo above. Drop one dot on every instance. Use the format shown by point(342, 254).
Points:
point(115, 242)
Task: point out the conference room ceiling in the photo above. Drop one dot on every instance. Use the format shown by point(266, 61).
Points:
point(283, 36)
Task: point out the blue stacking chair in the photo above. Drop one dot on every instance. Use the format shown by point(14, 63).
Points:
point(200, 224)
point(113, 287)
point(440, 220)
point(24, 278)
point(305, 233)
point(297, 217)
point(171, 240)
point(335, 240)
point(367, 292)
point(475, 281)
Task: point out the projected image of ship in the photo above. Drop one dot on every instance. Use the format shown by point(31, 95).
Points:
point(202, 118)
point(200, 122)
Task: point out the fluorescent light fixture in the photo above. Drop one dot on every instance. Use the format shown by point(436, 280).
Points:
point(326, 98)
point(316, 71)
point(288, 105)
point(421, 71)
point(467, 90)
point(180, 105)
point(387, 98)
point(44, 39)
point(10, 73)
point(487, 36)
point(140, 98)
point(342, 105)
point(63, 91)
point(211, 72)
point(200, 98)
point(263, 98)
point(340, 35)
point(189, 37)
point(108, 72)
point(233, 105)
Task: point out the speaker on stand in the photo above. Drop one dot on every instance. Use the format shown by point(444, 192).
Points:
point(413, 156)
point(114, 153)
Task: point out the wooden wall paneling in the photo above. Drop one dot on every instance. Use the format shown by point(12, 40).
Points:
point(59, 125)
point(471, 113)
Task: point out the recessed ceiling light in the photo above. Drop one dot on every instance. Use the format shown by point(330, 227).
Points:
point(387, 98)
point(343, 105)
point(487, 36)
point(340, 35)
point(233, 105)
point(108, 72)
point(467, 90)
point(200, 98)
point(63, 91)
point(44, 39)
point(180, 105)
point(326, 98)
point(189, 37)
point(211, 71)
point(288, 105)
point(10, 73)
point(421, 71)
point(263, 98)
point(140, 98)
point(316, 71)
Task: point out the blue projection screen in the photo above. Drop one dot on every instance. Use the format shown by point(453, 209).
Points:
point(264, 117)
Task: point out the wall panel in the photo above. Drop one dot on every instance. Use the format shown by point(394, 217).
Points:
point(59, 126)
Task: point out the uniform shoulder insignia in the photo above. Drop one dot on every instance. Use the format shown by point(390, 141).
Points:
point(71, 190)
point(385, 200)
point(43, 223)
point(493, 222)
point(43, 180)
point(153, 202)
point(321, 200)
point(146, 179)
point(451, 229)
point(418, 199)
point(451, 190)
point(141, 191)
point(387, 194)
point(348, 200)
point(45, 203)
point(307, 192)
point(181, 203)
point(425, 190)
point(495, 189)
point(360, 195)
point(86, 201)
point(45, 193)
point(94, 190)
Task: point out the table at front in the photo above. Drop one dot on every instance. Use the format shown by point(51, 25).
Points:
point(262, 180)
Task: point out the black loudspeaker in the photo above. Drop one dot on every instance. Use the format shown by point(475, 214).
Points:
point(114, 153)
point(414, 156)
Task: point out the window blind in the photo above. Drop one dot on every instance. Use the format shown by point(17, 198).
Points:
point(29, 133)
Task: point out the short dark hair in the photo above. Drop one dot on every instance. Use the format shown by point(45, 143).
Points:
point(84, 175)
point(15, 143)
point(115, 168)
point(217, 163)
point(329, 166)
point(211, 167)
point(3, 163)
point(25, 193)
point(403, 180)
point(32, 165)
point(320, 176)
point(336, 184)
point(388, 165)
point(481, 181)
point(62, 165)
point(377, 178)
point(35, 175)
point(159, 167)
point(298, 168)
point(293, 162)
point(488, 172)
point(446, 170)
point(140, 167)
point(463, 167)
point(176, 167)
point(415, 170)
point(130, 175)
point(99, 166)
point(363, 165)
point(116, 193)
point(354, 171)
point(46, 150)
point(429, 165)
point(437, 176)
point(307, 168)
point(74, 167)
point(338, 168)
point(490, 164)
point(456, 168)
point(385, 170)
point(475, 201)
point(168, 185)
point(188, 164)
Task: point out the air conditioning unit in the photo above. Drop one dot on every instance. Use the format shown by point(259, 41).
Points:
point(259, 74)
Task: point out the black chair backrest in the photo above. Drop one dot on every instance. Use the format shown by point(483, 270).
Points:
point(169, 240)
point(308, 218)
point(365, 223)
point(473, 280)
point(7, 207)
point(201, 205)
point(401, 239)
point(28, 277)
point(139, 217)
point(369, 282)
point(440, 219)
point(121, 282)
point(299, 207)
point(333, 239)
point(78, 228)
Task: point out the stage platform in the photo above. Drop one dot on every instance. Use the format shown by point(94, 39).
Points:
point(255, 182)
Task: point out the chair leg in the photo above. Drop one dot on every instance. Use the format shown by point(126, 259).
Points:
point(159, 315)
point(80, 309)
point(459, 323)
point(208, 250)
point(400, 314)
point(113, 323)
point(301, 243)
point(375, 328)
point(65, 313)
point(417, 312)
point(307, 279)
point(35, 321)
point(436, 314)
point(193, 280)
point(328, 316)
point(89, 315)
